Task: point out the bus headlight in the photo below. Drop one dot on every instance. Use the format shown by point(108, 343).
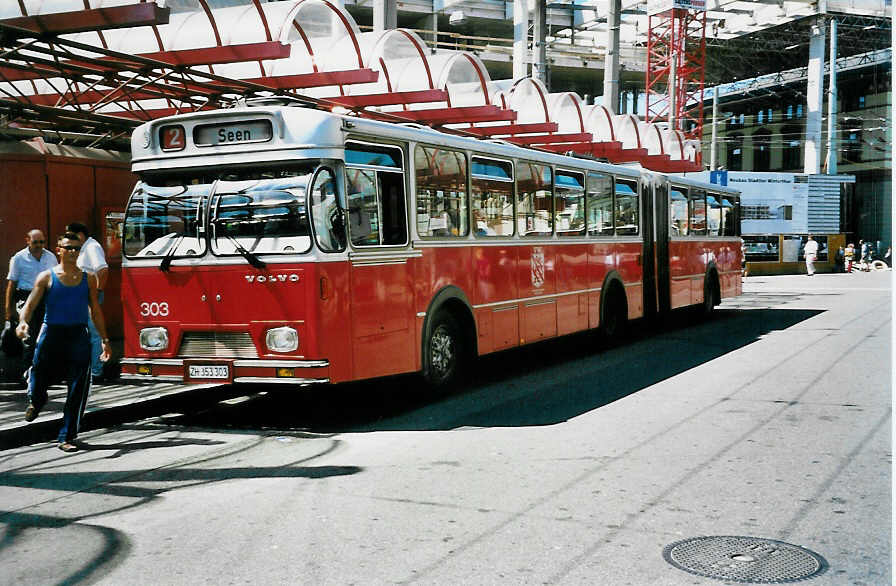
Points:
point(154, 339)
point(283, 339)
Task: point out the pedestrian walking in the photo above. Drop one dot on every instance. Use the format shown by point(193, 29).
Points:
point(24, 267)
point(93, 260)
point(63, 344)
point(811, 252)
point(840, 260)
point(849, 256)
point(864, 249)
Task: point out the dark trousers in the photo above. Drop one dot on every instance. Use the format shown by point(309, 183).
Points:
point(62, 351)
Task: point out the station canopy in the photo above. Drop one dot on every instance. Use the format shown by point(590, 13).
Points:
point(91, 74)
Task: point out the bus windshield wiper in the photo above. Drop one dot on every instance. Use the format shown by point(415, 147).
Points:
point(253, 260)
point(169, 256)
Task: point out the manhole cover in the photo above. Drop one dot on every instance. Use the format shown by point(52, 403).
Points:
point(752, 560)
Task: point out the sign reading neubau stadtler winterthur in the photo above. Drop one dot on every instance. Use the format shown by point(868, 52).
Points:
point(784, 203)
point(658, 6)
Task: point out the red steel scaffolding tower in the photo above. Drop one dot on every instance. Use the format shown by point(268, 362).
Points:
point(676, 57)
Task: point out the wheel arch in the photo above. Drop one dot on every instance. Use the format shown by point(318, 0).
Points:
point(453, 300)
point(611, 281)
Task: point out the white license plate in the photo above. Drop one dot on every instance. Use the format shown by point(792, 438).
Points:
point(209, 371)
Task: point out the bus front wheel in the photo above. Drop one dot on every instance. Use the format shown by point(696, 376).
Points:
point(444, 352)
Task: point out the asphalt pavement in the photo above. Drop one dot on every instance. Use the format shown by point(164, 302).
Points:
point(769, 426)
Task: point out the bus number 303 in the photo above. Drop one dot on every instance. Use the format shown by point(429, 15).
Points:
point(154, 308)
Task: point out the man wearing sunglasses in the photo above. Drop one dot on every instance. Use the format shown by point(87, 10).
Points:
point(63, 344)
point(24, 267)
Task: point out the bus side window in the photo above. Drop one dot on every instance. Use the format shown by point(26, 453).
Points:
point(329, 226)
point(394, 216)
point(534, 209)
point(626, 207)
point(600, 204)
point(491, 197)
point(363, 211)
point(678, 211)
point(729, 216)
point(697, 204)
point(376, 198)
point(569, 203)
point(713, 214)
point(441, 192)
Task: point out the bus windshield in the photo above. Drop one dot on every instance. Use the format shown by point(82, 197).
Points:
point(258, 210)
point(165, 219)
point(261, 215)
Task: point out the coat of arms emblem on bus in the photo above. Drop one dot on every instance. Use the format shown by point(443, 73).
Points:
point(537, 261)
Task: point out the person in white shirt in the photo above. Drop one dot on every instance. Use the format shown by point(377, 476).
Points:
point(93, 260)
point(24, 267)
point(811, 252)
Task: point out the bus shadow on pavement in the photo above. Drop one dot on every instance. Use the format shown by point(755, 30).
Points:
point(566, 386)
point(540, 384)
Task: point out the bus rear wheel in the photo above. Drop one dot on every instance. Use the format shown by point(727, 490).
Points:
point(711, 296)
point(615, 317)
point(444, 353)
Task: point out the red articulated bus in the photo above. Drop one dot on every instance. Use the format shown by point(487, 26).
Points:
point(281, 244)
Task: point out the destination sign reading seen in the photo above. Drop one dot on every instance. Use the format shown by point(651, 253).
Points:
point(232, 133)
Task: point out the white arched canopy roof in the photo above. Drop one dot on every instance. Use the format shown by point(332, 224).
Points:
point(599, 122)
point(463, 75)
point(401, 58)
point(627, 131)
point(528, 97)
point(651, 138)
point(675, 145)
point(566, 109)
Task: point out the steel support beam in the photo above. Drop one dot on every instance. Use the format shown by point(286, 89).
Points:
point(520, 39)
point(79, 21)
point(539, 44)
point(814, 99)
point(385, 15)
point(611, 60)
point(831, 162)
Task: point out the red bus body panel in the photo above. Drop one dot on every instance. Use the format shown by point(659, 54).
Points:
point(366, 320)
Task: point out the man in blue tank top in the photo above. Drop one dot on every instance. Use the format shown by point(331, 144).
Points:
point(63, 344)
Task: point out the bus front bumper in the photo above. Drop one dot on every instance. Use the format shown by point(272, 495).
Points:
point(225, 371)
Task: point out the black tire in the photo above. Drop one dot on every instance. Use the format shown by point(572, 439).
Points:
point(711, 296)
point(444, 353)
point(615, 316)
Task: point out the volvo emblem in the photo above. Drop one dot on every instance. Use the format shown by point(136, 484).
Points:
point(273, 279)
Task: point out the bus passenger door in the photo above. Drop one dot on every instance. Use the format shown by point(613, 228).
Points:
point(661, 221)
point(381, 274)
point(648, 259)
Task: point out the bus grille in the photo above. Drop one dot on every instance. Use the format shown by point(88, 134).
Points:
point(217, 344)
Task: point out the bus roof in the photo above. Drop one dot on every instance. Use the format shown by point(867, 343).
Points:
point(302, 133)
